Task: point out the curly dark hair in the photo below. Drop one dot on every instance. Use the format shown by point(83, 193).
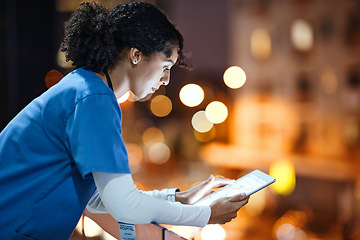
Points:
point(96, 38)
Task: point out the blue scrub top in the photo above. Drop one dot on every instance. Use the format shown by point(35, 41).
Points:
point(48, 152)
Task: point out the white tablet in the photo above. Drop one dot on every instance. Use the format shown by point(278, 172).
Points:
point(249, 184)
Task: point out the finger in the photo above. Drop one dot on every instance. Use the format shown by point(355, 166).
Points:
point(238, 198)
point(211, 178)
point(220, 182)
point(208, 183)
point(205, 187)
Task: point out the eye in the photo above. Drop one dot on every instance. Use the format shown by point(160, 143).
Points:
point(166, 68)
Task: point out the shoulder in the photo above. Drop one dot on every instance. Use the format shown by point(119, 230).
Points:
point(80, 84)
point(86, 80)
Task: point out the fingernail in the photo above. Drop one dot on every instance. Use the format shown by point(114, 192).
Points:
point(243, 195)
point(210, 178)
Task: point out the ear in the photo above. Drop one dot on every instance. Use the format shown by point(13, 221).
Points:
point(135, 55)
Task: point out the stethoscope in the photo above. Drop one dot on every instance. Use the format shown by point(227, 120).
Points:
point(108, 79)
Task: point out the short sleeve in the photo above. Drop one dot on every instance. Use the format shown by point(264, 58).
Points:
point(94, 136)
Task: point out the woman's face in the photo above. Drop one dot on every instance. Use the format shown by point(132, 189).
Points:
point(152, 72)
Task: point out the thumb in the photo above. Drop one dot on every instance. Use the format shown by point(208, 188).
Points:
point(238, 198)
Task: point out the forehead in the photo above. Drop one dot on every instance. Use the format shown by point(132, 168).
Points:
point(174, 55)
point(171, 59)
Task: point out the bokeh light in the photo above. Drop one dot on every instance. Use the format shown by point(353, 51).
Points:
point(200, 122)
point(91, 228)
point(159, 153)
point(284, 172)
point(191, 95)
point(186, 232)
point(152, 135)
point(107, 236)
point(206, 136)
point(124, 97)
point(161, 106)
point(61, 60)
point(234, 77)
point(79, 225)
point(288, 231)
point(302, 35)
point(216, 112)
point(260, 44)
point(52, 78)
point(135, 156)
point(290, 225)
point(213, 232)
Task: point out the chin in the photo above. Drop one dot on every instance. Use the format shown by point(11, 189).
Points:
point(143, 97)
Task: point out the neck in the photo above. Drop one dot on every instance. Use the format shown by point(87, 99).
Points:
point(119, 79)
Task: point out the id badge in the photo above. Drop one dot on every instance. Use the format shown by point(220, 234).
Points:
point(127, 231)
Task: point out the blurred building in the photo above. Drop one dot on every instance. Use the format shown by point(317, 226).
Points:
point(297, 116)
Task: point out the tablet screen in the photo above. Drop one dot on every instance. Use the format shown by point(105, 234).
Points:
point(249, 184)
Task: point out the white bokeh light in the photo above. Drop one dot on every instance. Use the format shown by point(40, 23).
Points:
point(213, 232)
point(200, 122)
point(159, 153)
point(191, 95)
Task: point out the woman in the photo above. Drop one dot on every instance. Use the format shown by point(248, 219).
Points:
point(65, 147)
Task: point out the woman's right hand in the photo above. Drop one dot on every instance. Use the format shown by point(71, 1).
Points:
point(223, 210)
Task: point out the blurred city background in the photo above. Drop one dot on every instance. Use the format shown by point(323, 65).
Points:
point(275, 86)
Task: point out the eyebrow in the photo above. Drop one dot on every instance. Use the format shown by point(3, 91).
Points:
point(171, 61)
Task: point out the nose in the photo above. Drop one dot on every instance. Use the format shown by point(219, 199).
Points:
point(165, 79)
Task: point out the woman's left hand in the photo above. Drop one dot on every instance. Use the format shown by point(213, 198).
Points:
point(202, 189)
